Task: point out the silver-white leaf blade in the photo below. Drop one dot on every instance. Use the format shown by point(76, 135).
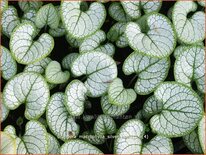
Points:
point(99, 68)
point(151, 71)
point(59, 120)
point(75, 96)
point(32, 90)
point(22, 47)
point(8, 144)
point(112, 110)
point(132, 8)
point(80, 24)
point(10, 20)
point(158, 145)
point(129, 137)
point(54, 74)
point(189, 30)
point(190, 67)
point(151, 6)
point(79, 147)
point(8, 64)
point(68, 60)
point(182, 110)
point(47, 15)
point(53, 145)
point(159, 39)
point(35, 138)
point(27, 5)
point(118, 95)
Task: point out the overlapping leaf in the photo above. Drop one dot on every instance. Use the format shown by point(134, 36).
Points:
point(53, 145)
point(190, 66)
point(24, 49)
point(68, 60)
point(181, 111)
point(8, 65)
point(118, 95)
point(27, 5)
point(75, 95)
point(80, 23)
point(8, 144)
point(151, 71)
point(189, 30)
point(154, 35)
point(27, 85)
point(79, 147)
point(100, 70)
point(59, 120)
point(53, 73)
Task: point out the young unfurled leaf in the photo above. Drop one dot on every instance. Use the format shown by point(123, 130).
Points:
point(79, 147)
point(112, 110)
point(181, 111)
point(99, 69)
point(59, 120)
point(68, 60)
point(81, 24)
point(27, 5)
point(93, 43)
point(151, 107)
point(151, 71)
point(8, 144)
point(104, 125)
point(116, 34)
point(8, 65)
point(129, 140)
point(189, 30)
point(191, 140)
point(201, 133)
point(54, 74)
point(75, 96)
point(24, 50)
point(47, 15)
point(190, 67)
point(117, 12)
point(10, 20)
point(159, 38)
point(118, 95)
point(27, 84)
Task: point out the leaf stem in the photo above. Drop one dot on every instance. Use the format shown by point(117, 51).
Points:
point(132, 80)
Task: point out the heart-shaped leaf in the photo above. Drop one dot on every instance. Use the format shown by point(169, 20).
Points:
point(151, 71)
point(104, 125)
point(59, 120)
point(93, 43)
point(116, 34)
point(151, 107)
point(35, 138)
point(24, 50)
point(154, 35)
point(112, 110)
point(8, 65)
point(8, 144)
point(192, 142)
point(27, 84)
point(117, 12)
point(80, 23)
point(181, 111)
point(158, 145)
point(129, 140)
point(53, 145)
point(100, 70)
point(190, 67)
point(75, 97)
point(68, 60)
point(132, 8)
point(54, 74)
point(47, 15)
point(201, 133)
point(79, 147)
point(118, 95)
point(27, 5)
point(39, 66)
point(10, 20)
point(189, 30)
